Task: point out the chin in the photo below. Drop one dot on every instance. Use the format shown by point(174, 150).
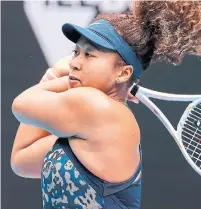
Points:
point(74, 84)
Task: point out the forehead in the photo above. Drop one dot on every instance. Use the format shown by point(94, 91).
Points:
point(87, 44)
point(83, 42)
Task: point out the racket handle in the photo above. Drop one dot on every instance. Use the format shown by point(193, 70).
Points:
point(135, 87)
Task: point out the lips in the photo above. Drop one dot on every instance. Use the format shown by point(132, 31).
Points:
point(73, 78)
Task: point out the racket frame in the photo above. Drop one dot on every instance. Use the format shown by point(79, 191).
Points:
point(143, 94)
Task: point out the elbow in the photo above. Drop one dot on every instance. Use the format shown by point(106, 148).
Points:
point(18, 109)
point(16, 106)
point(16, 170)
point(17, 167)
point(22, 168)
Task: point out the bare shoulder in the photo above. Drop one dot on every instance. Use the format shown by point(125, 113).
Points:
point(87, 101)
point(89, 96)
point(93, 100)
point(96, 109)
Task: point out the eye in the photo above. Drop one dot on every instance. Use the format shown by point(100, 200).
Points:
point(88, 55)
point(75, 53)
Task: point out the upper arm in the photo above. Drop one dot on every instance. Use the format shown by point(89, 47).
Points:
point(73, 112)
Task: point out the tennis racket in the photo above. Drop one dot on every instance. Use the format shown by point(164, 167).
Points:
point(188, 133)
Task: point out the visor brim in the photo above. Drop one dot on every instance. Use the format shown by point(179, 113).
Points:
point(74, 32)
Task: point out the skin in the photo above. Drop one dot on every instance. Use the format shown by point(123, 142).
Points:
point(110, 148)
point(90, 63)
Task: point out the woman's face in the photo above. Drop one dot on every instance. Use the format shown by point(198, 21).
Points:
point(93, 66)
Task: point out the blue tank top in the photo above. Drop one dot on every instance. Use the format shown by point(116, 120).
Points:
point(67, 184)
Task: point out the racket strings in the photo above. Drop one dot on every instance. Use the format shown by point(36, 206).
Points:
point(195, 135)
point(197, 112)
point(190, 124)
point(199, 109)
point(191, 134)
point(195, 115)
point(195, 154)
point(195, 145)
point(192, 129)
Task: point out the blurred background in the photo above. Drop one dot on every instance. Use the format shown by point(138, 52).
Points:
point(32, 40)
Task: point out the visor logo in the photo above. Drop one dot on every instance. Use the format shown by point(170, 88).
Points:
point(96, 23)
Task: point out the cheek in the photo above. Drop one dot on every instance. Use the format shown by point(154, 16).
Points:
point(99, 73)
point(103, 71)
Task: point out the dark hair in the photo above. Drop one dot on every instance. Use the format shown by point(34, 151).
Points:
point(160, 30)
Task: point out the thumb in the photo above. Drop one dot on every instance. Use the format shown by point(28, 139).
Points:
point(63, 63)
point(132, 98)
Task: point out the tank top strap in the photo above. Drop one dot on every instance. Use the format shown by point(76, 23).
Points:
point(111, 188)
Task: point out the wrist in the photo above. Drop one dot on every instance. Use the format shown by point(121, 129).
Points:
point(54, 85)
point(49, 75)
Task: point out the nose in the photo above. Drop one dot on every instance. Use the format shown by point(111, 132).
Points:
point(76, 63)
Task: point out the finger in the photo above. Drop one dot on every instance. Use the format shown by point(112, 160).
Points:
point(50, 74)
point(63, 62)
point(62, 66)
point(135, 100)
point(44, 79)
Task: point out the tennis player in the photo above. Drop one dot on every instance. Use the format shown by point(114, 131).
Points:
point(77, 132)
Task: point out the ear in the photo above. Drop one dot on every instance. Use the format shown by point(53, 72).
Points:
point(125, 74)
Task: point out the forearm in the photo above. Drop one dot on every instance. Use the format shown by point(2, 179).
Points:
point(28, 134)
point(28, 162)
point(44, 93)
point(57, 85)
point(30, 140)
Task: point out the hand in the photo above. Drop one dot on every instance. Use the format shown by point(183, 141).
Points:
point(132, 98)
point(60, 69)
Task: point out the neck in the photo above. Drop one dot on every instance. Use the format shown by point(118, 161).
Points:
point(119, 93)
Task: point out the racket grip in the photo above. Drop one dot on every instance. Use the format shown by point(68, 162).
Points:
point(134, 90)
point(135, 87)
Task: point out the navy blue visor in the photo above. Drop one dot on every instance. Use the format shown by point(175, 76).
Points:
point(103, 34)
